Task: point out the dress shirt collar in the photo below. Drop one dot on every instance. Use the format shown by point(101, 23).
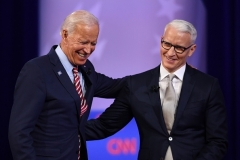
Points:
point(179, 73)
point(64, 60)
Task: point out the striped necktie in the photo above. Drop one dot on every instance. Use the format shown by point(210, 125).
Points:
point(79, 91)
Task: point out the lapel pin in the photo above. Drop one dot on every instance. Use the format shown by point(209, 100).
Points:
point(59, 73)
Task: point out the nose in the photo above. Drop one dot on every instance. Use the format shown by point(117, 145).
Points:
point(88, 48)
point(171, 51)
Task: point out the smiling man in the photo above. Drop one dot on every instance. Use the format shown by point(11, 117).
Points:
point(53, 95)
point(179, 111)
point(174, 52)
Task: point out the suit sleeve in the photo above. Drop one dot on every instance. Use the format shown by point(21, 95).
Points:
point(29, 96)
point(113, 119)
point(216, 126)
point(104, 86)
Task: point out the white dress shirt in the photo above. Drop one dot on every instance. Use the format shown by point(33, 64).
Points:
point(177, 81)
point(68, 67)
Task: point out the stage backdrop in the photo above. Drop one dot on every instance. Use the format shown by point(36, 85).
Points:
point(129, 43)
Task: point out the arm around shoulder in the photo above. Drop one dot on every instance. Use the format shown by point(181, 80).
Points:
point(113, 119)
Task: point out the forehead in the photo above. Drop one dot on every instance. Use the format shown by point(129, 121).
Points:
point(173, 35)
point(84, 31)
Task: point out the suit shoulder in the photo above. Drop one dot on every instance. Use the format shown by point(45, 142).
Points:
point(147, 73)
point(203, 76)
point(38, 61)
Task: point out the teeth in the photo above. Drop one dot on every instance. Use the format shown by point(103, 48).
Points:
point(82, 55)
point(169, 58)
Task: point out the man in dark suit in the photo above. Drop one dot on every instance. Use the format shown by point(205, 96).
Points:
point(47, 121)
point(186, 123)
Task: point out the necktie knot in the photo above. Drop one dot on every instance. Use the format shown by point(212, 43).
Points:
point(75, 70)
point(171, 76)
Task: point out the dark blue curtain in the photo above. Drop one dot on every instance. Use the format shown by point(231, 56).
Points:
point(223, 54)
point(19, 43)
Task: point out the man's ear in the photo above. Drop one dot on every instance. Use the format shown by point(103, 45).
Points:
point(64, 34)
point(192, 49)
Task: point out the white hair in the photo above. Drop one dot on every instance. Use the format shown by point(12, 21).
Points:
point(183, 26)
point(76, 18)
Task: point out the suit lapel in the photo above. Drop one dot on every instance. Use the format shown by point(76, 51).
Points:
point(154, 97)
point(187, 86)
point(63, 77)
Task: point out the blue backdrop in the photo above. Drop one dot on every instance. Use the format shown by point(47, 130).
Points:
point(122, 145)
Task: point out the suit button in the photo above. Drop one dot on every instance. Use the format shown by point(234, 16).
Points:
point(161, 158)
point(170, 138)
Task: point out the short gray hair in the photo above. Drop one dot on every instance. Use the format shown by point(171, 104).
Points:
point(80, 17)
point(183, 26)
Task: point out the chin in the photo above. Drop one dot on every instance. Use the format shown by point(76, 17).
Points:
point(82, 62)
point(169, 67)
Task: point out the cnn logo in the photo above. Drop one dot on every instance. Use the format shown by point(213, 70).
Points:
point(118, 146)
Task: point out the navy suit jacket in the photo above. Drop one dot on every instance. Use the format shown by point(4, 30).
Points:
point(45, 122)
point(199, 131)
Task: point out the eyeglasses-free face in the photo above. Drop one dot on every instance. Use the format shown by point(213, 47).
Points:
point(79, 44)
